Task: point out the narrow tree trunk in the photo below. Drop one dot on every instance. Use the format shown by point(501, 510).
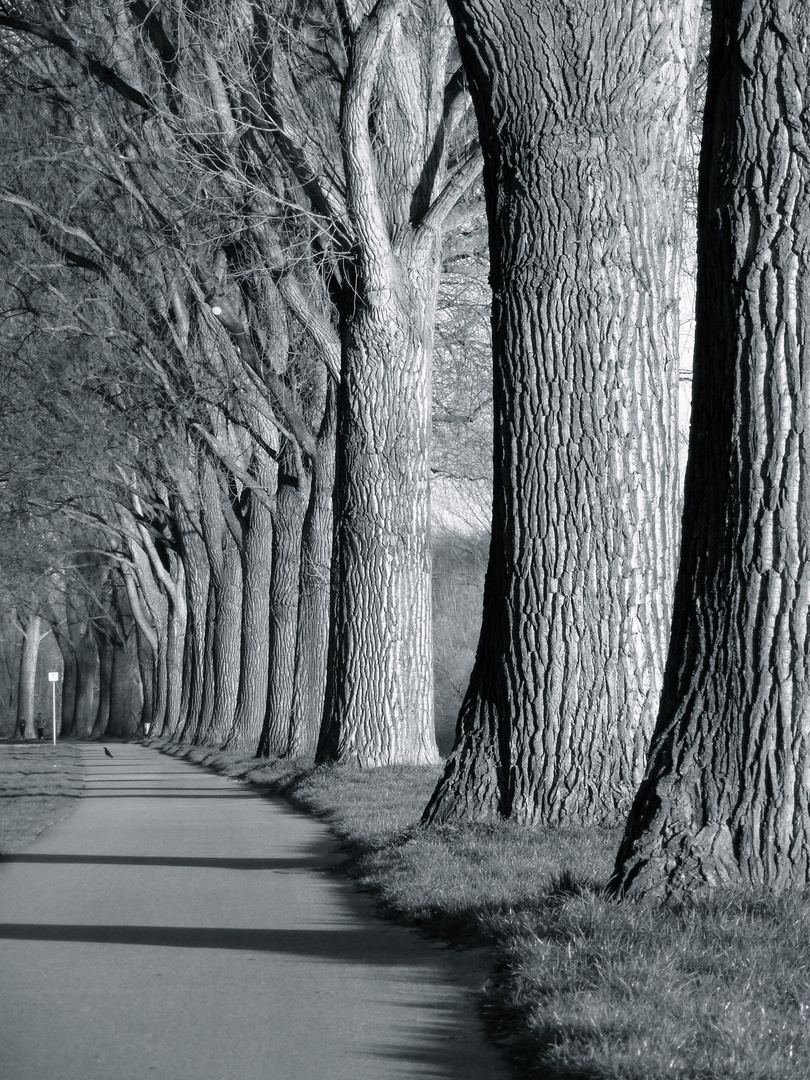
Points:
point(582, 121)
point(726, 796)
point(313, 603)
point(198, 575)
point(175, 646)
point(288, 522)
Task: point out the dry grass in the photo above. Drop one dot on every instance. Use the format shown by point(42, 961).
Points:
point(38, 785)
point(584, 987)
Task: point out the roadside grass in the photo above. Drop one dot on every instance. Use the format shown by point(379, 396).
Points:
point(583, 987)
point(39, 783)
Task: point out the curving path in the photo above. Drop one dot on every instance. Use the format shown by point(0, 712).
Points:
point(179, 926)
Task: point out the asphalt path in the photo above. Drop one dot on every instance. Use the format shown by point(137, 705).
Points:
point(179, 926)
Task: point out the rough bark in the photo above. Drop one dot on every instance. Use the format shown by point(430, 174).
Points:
point(26, 694)
point(257, 570)
point(106, 651)
point(313, 600)
point(288, 520)
point(380, 683)
point(225, 608)
point(146, 666)
point(582, 117)
point(175, 643)
point(195, 561)
point(726, 796)
point(126, 688)
point(68, 703)
point(85, 651)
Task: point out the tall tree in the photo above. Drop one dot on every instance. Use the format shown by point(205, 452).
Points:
point(582, 118)
point(726, 795)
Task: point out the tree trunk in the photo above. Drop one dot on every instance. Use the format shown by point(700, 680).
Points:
point(175, 645)
point(257, 569)
point(288, 522)
point(146, 666)
point(26, 695)
point(106, 651)
point(198, 575)
point(582, 121)
point(68, 705)
point(225, 612)
point(726, 796)
point(126, 688)
point(85, 650)
point(313, 601)
point(379, 701)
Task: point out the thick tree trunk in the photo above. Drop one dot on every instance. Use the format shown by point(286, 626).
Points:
point(313, 603)
point(68, 705)
point(106, 651)
point(726, 796)
point(126, 688)
point(257, 569)
point(146, 666)
point(288, 521)
point(379, 701)
point(225, 613)
point(582, 121)
point(379, 707)
point(26, 694)
point(85, 650)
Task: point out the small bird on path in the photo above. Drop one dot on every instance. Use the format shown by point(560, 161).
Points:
point(107, 752)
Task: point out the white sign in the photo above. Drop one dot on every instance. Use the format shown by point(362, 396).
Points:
point(53, 676)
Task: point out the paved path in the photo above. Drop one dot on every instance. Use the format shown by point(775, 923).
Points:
point(179, 926)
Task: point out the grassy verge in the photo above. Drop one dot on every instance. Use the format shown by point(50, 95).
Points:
point(583, 988)
point(38, 785)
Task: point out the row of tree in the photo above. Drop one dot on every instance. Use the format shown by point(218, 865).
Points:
point(237, 213)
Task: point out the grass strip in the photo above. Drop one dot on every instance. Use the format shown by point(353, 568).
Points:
point(583, 987)
point(39, 783)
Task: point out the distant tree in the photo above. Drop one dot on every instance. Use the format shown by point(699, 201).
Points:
point(726, 796)
point(582, 118)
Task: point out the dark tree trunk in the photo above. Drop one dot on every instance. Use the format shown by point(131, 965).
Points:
point(126, 688)
point(582, 118)
point(146, 666)
point(68, 704)
point(106, 651)
point(726, 796)
point(85, 650)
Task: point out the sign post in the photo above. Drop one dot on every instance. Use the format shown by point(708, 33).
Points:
point(53, 679)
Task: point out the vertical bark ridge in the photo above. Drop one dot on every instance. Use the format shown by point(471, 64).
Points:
point(726, 794)
point(582, 120)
